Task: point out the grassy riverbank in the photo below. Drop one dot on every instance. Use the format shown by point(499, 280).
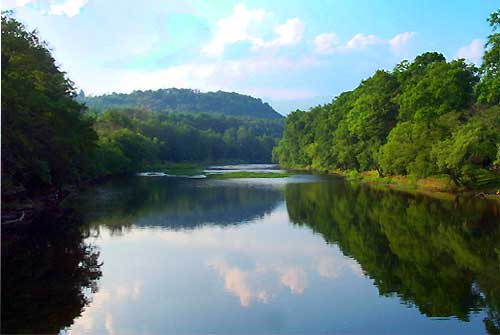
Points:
point(440, 186)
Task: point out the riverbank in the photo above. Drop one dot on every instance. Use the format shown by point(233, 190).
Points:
point(440, 186)
point(20, 208)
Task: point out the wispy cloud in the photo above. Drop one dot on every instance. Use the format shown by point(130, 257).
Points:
point(399, 42)
point(69, 8)
point(326, 43)
point(22, 3)
point(245, 25)
point(235, 28)
point(207, 75)
point(289, 33)
point(9, 4)
point(329, 43)
point(472, 52)
point(360, 41)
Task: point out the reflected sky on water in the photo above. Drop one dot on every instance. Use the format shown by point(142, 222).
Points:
point(304, 254)
point(177, 264)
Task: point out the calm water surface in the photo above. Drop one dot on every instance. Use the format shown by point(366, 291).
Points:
point(305, 254)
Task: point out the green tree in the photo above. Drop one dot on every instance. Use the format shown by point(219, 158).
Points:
point(442, 88)
point(408, 150)
point(489, 87)
point(45, 135)
point(471, 148)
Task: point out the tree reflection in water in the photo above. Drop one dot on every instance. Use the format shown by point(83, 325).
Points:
point(49, 273)
point(174, 203)
point(441, 256)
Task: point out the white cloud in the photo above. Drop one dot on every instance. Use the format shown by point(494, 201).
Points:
point(236, 282)
point(258, 283)
point(9, 4)
point(289, 33)
point(22, 3)
point(472, 52)
point(243, 25)
point(333, 267)
point(227, 75)
point(360, 41)
point(399, 41)
point(294, 278)
point(236, 27)
point(100, 313)
point(69, 8)
point(326, 43)
point(241, 283)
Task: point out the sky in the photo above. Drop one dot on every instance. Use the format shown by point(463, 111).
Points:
point(292, 54)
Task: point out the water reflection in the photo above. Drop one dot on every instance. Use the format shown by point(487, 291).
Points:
point(293, 255)
point(441, 256)
point(211, 279)
point(48, 274)
point(174, 203)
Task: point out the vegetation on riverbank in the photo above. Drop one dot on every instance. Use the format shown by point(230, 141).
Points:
point(133, 139)
point(424, 119)
point(50, 140)
point(438, 186)
point(248, 174)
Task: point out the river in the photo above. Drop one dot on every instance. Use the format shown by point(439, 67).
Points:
point(298, 255)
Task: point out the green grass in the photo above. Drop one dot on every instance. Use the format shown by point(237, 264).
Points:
point(184, 172)
point(244, 174)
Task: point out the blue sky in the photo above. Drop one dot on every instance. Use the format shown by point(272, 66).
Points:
point(293, 54)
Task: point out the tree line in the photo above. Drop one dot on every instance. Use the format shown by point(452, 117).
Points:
point(423, 118)
point(184, 100)
point(49, 139)
point(132, 139)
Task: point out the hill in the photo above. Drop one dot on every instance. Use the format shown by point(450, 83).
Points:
point(187, 101)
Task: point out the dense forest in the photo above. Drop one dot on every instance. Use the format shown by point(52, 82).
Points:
point(46, 136)
point(426, 117)
point(186, 101)
point(133, 139)
point(50, 139)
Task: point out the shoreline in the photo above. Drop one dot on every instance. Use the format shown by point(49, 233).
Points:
point(441, 187)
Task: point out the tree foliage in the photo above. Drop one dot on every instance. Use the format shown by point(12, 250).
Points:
point(186, 101)
point(132, 139)
point(45, 134)
point(420, 119)
point(50, 139)
point(489, 87)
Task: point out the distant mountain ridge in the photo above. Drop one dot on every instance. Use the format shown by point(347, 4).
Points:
point(185, 100)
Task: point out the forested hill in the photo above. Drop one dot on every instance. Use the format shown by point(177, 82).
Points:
point(50, 140)
point(185, 100)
